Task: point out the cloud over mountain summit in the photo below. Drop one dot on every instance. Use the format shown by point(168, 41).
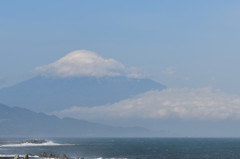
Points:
point(84, 63)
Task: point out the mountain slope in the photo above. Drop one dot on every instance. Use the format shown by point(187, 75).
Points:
point(22, 122)
point(43, 94)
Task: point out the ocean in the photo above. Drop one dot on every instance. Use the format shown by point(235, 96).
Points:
point(127, 148)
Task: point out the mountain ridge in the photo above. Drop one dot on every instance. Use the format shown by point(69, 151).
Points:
point(43, 94)
point(21, 122)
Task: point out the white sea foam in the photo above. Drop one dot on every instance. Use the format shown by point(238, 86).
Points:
point(7, 155)
point(27, 144)
point(32, 156)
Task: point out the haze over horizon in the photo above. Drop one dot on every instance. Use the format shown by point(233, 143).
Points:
point(190, 47)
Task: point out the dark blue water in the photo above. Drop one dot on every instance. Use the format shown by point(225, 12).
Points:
point(134, 148)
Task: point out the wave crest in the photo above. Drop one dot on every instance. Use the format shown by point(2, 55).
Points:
point(28, 144)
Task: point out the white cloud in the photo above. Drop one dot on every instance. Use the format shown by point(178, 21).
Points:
point(84, 63)
point(199, 104)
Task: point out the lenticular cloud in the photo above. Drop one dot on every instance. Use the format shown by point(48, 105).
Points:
point(82, 63)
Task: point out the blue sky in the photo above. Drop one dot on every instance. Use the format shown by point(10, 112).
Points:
point(182, 44)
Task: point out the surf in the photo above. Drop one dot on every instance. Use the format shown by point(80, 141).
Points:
point(32, 143)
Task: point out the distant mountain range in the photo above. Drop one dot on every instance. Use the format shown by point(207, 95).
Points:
point(15, 121)
point(42, 94)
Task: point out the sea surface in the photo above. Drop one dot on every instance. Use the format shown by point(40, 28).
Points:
point(128, 148)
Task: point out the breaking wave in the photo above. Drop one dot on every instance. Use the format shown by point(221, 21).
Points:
point(28, 144)
point(12, 156)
